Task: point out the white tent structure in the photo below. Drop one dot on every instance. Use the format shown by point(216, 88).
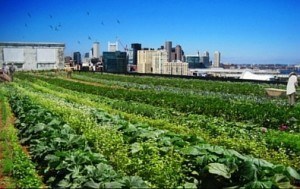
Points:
point(251, 76)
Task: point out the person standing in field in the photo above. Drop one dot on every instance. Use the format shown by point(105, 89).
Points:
point(12, 70)
point(291, 88)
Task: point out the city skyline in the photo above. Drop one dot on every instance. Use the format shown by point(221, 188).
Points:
point(256, 31)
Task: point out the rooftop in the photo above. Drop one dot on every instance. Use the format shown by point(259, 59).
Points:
point(50, 44)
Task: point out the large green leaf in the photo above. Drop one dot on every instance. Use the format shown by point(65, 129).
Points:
point(113, 185)
point(91, 184)
point(219, 169)
point(293, 173)
point(259, 185)
point(39, 127)
point(136, 147)
point(133, 182)
point(249, 171)
point(190, 185)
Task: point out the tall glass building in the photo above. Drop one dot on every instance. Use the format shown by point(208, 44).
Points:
point(77, 57)
point(115, 62)
point(193, 61)
point(135, 47)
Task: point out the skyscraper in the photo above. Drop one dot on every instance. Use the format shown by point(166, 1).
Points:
point(168, 48)
point(112, 47)
point(178, 53)
point(193, 61)
point(205, 59)
point(217, 56)
point(135, 47)
point(77, 57)
point(115, 62)
point(96, 49)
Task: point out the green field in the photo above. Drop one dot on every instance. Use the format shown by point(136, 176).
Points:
point(117, 131)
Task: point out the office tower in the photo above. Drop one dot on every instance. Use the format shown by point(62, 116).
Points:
point(135, 47)
point(206, 53)
point(112, 47)
point(144, 62)
point(217, 56)
point(193, 61)
point(96, 49)
point(115, 62)
point(205, 59)
point(173, 55)
point(168, 48)
point(77, 57)
point(91, 53)
point(178, 53)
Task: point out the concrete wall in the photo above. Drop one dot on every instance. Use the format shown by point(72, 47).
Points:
point(32, 56)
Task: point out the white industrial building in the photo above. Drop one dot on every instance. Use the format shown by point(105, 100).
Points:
point(32, 56)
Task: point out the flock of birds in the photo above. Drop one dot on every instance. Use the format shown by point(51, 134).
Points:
point(59, 26)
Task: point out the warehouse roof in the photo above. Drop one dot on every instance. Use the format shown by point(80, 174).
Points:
point(43, 44)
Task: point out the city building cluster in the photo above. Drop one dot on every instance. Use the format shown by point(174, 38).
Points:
point(163, 60)
point(166, 59)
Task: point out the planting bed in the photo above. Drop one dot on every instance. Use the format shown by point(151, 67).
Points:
point(104, 130)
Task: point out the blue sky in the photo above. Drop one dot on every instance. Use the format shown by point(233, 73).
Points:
point(244, 31)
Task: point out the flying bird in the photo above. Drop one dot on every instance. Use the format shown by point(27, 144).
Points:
point(50, 16)
point(26, 25)
point(51, 27)
point(102, 23)
point(78, 42)
point(89, 38)
point(118, 21)
point(29, 15)
point(56, 29)
point(88, 13)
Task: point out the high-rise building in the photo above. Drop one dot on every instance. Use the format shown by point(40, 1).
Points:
point(155, 61)
point(168, 48)
point(96, 49)
point(178, 53)
point(112, 47)
point(205, 59)
point(144, 61)
point(115, 62)
point(193, 61)
point(217, 59)
point(135, 47)
point(77, 57)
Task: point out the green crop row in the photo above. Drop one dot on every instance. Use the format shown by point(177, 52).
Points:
point(15, 163)
point(224, 87)
point(177, 90)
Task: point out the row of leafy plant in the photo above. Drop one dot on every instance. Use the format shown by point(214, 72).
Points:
point(15, 163)
point(278, 146)
point(213, 86)
point(178, 90)
point(64, 158)
point(265, 113)
point(202, 165)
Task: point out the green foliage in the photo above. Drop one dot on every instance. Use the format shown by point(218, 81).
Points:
point(156, 156)
point(65, 158)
